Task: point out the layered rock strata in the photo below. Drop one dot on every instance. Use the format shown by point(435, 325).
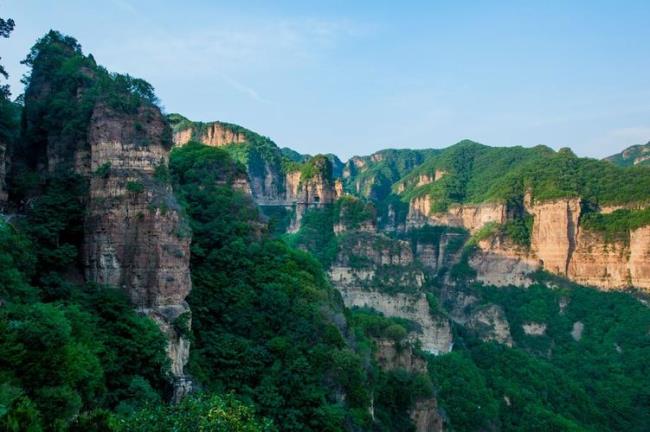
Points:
point(135, 237)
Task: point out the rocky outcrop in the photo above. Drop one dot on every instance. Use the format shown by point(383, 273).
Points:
point(135, 237)
point(472, 217)
point(639, 258)
point(534, 328)
point(434, 333)
point(391, 355)
point(426, 416)
point(555, 229)
point(561, 246)
point(499, 262)
point(612, 264)
point(490, 323)
point(214, 134)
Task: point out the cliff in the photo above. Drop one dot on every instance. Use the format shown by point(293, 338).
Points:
point(469, 216)
point(560, 244)
point(276, 177)
point(374, 271)
point(135, 237)
point(114, 136)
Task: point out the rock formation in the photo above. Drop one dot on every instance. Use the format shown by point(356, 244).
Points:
point(135, 237)
point(394, 355)
point(215, 134)
point(469, 216)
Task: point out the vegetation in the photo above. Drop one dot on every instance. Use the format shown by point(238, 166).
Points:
point(634, 155)
point(380, 171)
point(353, 212)
point(60, 111)
point(616, 226)
point(196, 413)
point(245, 286)
point(316, 235)
point(478, 173)
point(67, 348)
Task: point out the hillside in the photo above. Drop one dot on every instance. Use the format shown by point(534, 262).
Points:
point(634, 155)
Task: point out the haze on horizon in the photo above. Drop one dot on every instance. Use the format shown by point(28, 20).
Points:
point(349, 79)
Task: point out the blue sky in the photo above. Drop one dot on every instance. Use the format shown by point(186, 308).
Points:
point(355, 77)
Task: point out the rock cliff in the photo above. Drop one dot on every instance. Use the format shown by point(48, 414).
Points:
point(469, 216)
point(135, 237)
point(215, 134)
point(559, 244)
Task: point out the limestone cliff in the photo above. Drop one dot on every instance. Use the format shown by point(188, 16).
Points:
point(559, 244)
point(555, 229)
point(135, 237)
point(215, 134)
point(469, 216)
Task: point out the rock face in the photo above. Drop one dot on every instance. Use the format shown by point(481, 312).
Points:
point(499, 262)
point(214, 134)
point(561, 246)
point(392, 355)
point(426, 417)
point(469, 216)
point(435, 332)
point(135, 237)
point(491, 324)
point(555, 228)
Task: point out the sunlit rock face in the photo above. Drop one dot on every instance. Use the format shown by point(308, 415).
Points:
point(469, 216)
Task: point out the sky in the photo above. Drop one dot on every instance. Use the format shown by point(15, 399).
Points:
point(354, 77)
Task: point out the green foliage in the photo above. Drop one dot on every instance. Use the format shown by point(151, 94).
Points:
point(375, 176)
point(478, 173)
point(6, 27)
point(66, 349)
point(260, 309)
point(318, 166)
point(353, 212)
point(103, 170)
point(64, 87)
point(518, 230)
point(463, 392)
point(551, 381)
point(316, 235)
point(54, 223)
point(134, 187)
point(196, 413)
point(615, 226)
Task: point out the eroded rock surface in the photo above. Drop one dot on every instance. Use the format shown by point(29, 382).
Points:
point(135, 237)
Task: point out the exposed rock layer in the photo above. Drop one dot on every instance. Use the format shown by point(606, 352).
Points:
point(135, 237)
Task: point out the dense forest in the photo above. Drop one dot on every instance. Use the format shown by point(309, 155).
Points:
point(273, 346)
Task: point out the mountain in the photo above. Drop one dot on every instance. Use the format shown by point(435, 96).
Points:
point(158, 273)
point(631, 156)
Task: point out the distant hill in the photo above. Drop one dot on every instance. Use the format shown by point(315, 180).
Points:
point(635, 155)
